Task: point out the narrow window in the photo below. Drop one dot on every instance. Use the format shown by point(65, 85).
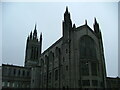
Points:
point(57, 52)
point(50, 77)
point(14, 72)
point(28, 74)
point(3, 83)
point(85, 82)
point(79, 82)
point(23, 72)
point(67, 68)
point(19, 73)
point(66, 50)
point(32, 53)
point(63, 59)
point(9, 73)
point(13, 85)
point(56, 75)
point(8, 84)
point(94, 83)
point(37, 53)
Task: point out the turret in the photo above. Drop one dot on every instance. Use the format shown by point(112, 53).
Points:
point(31, 35)
point(85, 22)
point(67, 17)
point(28, 38)
point(35, 33)
point(99, 35)
point(67, 25)
point(40, 43)
point(74, 26)
point(97, 29)
point(96, 26)
point(33, 49)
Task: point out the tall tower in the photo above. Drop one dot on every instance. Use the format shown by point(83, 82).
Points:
point(103, 67)
point(67, 26)
point(66, 52)
point(33, 48)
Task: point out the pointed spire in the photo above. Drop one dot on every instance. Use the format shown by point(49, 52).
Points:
point(67, 12)
point(40, 35)
point(66, 9)
point(28, 38)
point(40, 42)
point(96, 26)
point(35, 26)
point(74, 26)
point(67, 16)
point(31, 35)
point(35, 30)
point(35, 33)
point(95, 20)
point(85, 22)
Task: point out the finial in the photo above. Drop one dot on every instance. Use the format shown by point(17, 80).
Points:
point(35, 31)
point(95, 19)
point(41, 35)
point(31, 35)
point(85, 22)
point(35, 26)
point(74, 26)
point(67, 9)
point(28, 38)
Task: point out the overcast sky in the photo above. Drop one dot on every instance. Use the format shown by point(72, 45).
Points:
point(19, 19)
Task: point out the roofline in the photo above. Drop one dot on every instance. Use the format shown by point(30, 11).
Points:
point(52, 45)
point(8, 65)
point(113, 77)
point(87, 27)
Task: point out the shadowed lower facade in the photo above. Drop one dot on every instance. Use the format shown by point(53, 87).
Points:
point(76, 60)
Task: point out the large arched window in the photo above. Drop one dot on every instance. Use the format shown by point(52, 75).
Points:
point(87, 48)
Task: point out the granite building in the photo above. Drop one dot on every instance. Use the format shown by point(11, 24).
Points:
point(113, 82)
point(15, 76)
point(76, 60)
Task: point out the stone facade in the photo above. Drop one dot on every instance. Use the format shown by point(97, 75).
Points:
point(76, 60)
point(15, 76)
point(113, 82)
point(33, 49)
